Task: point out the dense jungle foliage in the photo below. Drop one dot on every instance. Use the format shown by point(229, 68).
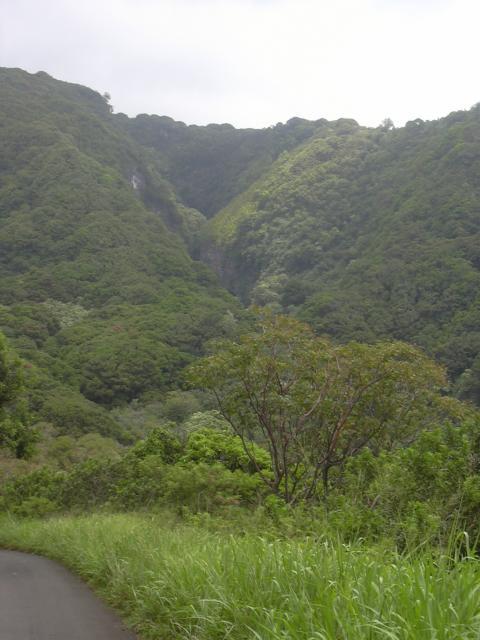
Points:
point(408, 496)
point(354, 440)
point(369, 234)
point(98, 296)
point(209, 166)
point(111, 231)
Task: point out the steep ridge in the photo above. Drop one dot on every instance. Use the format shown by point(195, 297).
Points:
point(365, 233)
point(208, 166)
point(96, 292)
point(369, 233)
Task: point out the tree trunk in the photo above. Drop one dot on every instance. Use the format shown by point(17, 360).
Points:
point(325, 472)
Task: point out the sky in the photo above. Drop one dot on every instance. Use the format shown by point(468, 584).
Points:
point(254, 63)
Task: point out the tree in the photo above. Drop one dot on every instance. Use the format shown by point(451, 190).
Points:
point(387, 124)
point(15, 433)
point(468, 386)
point(107, 97)
point(314, 404)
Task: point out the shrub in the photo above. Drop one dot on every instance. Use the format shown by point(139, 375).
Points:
point(35, 507)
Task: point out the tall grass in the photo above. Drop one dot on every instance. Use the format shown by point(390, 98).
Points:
point(187, 583)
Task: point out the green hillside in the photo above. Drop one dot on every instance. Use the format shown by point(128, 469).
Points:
point(369, 233)
point(96, 292)
point(364, 233)
point(289, 451)
point(208, 166)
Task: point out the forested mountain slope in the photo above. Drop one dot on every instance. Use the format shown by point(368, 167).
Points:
point(96, 292)
point(367, 234)
point(210, 165)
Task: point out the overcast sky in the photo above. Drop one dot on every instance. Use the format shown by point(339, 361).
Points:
point(255, 62)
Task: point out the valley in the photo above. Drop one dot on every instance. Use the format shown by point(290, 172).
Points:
point(240, 368)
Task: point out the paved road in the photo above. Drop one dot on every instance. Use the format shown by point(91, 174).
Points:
point(40, 600)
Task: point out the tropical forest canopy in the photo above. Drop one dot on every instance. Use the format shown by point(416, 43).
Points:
point(271, 332)
point(128, 244)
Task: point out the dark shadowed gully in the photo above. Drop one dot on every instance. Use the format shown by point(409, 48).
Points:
point(41, 600)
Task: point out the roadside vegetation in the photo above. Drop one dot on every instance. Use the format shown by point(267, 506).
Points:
point(186, 582)
point(225, 525)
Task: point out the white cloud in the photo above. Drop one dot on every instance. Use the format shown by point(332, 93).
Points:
point(254, 63)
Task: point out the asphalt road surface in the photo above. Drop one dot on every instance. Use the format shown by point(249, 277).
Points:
point(40, 600)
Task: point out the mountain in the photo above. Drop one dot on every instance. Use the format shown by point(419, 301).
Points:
point(369, 233)
point(97, 293)
point(208, 166)
point(112, 229)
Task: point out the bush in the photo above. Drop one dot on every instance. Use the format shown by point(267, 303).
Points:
point(35, 507)
point(203, 487)
point(211, 445)
point(141, 483)
point(159, 442)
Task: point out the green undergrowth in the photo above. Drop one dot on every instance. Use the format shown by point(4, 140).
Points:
point(173, 580)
